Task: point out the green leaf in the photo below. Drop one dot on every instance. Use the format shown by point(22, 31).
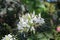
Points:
point(49, 35)
point(40, 35)
point(44, 39)
point(29, 39)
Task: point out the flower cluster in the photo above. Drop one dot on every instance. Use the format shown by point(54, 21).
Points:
point(8, 37)
point(28, 21)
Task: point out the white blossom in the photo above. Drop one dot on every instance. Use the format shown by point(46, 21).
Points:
point(8, 37)
point(28, 21)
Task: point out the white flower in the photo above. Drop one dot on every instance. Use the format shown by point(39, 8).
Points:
point(8, 37)
point(29, 20)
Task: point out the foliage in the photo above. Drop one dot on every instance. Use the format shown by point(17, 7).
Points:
point(13, 12)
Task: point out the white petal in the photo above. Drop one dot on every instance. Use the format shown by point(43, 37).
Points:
point(9, 35)
point(32, 28)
